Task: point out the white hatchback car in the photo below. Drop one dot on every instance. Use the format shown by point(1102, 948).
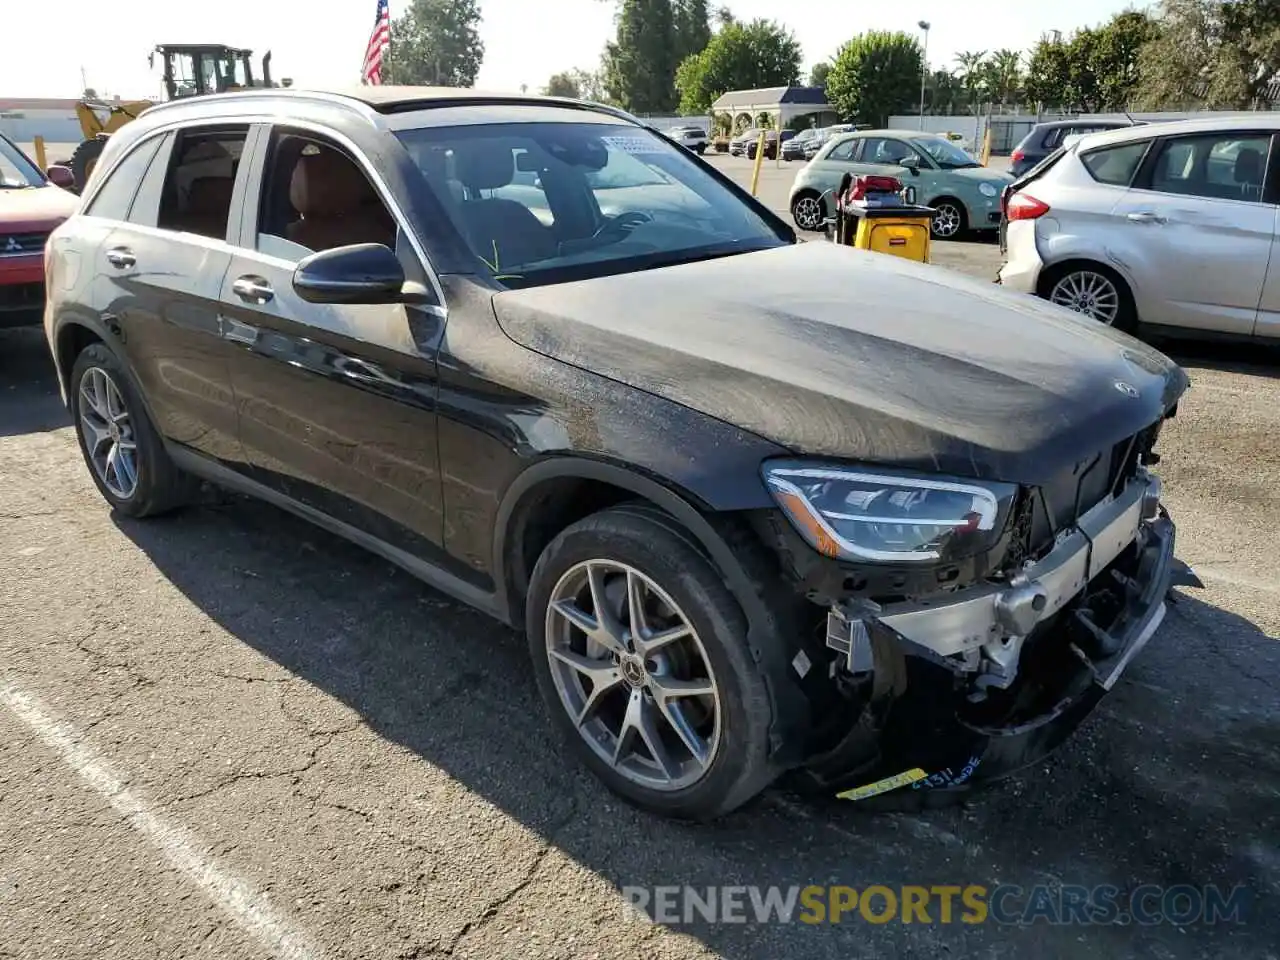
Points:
point(1167, 225)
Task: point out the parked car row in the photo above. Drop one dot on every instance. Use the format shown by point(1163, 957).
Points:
point(1170, 227)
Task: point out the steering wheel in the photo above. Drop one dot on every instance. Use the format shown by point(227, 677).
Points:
point(623, 223)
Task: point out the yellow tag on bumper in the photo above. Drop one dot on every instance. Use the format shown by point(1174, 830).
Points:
point(883, 786)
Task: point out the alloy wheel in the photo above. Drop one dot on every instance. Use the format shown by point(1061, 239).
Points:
point(633, 675)
point(808, 213)
point(946, 220)
point(108, 433)
point(1088, 292)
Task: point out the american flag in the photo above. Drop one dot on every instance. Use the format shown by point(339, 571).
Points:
point(379, 41)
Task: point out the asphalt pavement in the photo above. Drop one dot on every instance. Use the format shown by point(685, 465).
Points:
point(227, 734)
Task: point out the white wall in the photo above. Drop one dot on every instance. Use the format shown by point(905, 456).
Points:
point(56, 126)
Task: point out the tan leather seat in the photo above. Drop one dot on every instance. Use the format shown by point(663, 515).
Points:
point(337, 204)
point(208, 205)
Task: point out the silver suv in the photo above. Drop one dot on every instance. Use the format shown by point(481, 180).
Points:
point(1168, 226)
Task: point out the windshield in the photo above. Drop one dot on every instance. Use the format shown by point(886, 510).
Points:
point(945, 153)
point(542, 203)
point(16, 171)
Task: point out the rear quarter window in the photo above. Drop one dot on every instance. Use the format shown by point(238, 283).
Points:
point(115, 197)
point(1115, 165)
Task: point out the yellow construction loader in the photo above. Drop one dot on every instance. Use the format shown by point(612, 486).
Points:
point(188, 70)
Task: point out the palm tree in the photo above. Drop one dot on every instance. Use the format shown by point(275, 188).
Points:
point(1005, 74)
point(972, 73)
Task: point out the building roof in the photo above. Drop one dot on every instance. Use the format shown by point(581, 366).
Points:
point(817, 96)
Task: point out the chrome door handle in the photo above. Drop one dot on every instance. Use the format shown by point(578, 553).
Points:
point(121, 257)
point(1145, 216)
point(253, 289)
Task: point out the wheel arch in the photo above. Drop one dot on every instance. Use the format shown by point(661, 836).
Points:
point(737, 559)
point(72, 335)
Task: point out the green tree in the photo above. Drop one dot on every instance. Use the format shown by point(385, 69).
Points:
point(640, 67)
point(739, 57)
point(1049, 74)
point(692, 27)
point(943, 93)
point(1114, 57)
point(1214, 53)
point(436, 42)
point(563, 85)
point(874, 75)
point(818, 75)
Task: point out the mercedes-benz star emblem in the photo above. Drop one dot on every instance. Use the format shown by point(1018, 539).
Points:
point(1128, 389)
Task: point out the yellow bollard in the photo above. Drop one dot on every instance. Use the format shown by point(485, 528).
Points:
point(755, 175)
point(41, 160)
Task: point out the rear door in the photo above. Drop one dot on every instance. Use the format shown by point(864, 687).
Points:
point(1201, 215)
point(337, 403)
point(163, 267)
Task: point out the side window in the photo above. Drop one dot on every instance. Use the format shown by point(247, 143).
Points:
point(1115, 165)
point(315, 197)
point(1053, 137)
point(1221, 166)
point(115, 197)
point(202, 174)
point(885, 150)
point(844, 151)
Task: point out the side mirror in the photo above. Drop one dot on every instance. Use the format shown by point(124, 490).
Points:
point(61, 176)
point(360, 273)
point(912, 164)
point(526, 163)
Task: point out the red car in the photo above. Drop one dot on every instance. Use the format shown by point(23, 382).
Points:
point(31, 205)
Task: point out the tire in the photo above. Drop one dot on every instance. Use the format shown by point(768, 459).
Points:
point(1073, 284)
point(158, 485)
point(84, 159)
point(640, 544)
point(949, 220)
point(808, 211)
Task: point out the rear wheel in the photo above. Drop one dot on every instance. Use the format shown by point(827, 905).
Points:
point(640, 655)
point(121, 447)
point(1095, 291)
point(807, 211)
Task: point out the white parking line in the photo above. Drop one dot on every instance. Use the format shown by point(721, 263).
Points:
point(246, 905)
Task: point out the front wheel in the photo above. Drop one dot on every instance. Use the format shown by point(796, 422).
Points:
point(807, 211)
point(640, 654)
point(948, 220)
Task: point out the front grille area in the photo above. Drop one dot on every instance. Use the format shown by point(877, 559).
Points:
point(19, 296)
point(22, 244)
point(1060, 502)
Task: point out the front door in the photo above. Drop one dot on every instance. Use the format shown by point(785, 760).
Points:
point(1200, 212)
point(337, 404)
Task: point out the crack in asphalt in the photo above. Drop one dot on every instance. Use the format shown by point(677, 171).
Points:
point(497, 905)
point(235, 778)
point(102, 659)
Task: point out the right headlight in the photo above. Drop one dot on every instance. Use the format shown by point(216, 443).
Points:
point(884, 516)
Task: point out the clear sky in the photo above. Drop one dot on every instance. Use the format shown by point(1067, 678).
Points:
point(321, 42)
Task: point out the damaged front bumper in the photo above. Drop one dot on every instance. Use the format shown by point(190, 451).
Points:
point(989, 679)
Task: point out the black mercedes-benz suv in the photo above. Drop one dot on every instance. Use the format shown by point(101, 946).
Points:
point(760, 506)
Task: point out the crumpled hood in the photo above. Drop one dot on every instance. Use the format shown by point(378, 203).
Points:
point(845, 354)
point(34, 209)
